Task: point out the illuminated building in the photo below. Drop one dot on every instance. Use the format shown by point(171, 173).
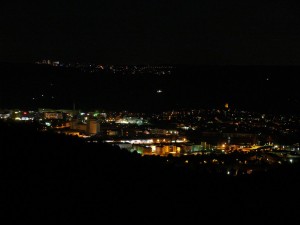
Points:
point(142, 149)
point(53, 115)
point(164, 132)
point(4, 115)
point(126, 146)
point(131, 120)
point(56, 63)
point(169, 149)
point(92, 127)
point(112, 132)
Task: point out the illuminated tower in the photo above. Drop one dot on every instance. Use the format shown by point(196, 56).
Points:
point(226, 109)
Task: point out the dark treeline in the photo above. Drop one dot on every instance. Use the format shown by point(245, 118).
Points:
point(265, 89)
point(48, 178)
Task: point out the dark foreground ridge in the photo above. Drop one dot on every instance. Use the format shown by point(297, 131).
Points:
point(53, 179)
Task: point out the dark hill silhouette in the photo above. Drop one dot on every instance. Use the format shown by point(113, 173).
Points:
point(53, 179)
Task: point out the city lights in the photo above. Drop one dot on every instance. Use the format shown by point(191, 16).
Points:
point(150, 112)
point(140, 132)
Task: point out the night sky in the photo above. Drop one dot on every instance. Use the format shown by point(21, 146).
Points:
point(207, 32)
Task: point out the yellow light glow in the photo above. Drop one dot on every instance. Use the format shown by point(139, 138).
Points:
point(153, 148)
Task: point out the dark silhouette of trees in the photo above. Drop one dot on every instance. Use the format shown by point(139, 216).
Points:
point(48, 178)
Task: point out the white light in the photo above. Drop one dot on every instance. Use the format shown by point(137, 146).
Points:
point(159, 91)
point(291, 161)
point(228, 172)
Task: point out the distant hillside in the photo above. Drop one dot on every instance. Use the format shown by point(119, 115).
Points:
point(272, 89)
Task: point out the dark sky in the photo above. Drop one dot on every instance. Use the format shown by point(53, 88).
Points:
point(206, 32)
